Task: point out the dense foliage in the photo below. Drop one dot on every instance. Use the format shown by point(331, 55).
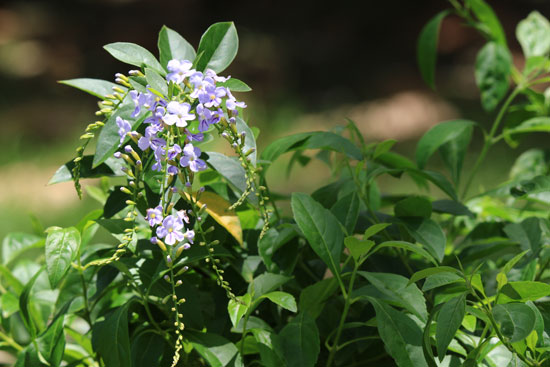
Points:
point(203, 267)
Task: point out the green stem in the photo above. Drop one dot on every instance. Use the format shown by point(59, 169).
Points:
point(11, 342)
point(489, 139)
point(347, 304)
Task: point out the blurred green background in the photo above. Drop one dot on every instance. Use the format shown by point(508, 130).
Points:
point(311, 64)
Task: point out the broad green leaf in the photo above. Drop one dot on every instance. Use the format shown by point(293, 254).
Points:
point(489, 20)
point(493, 67)
point(237, 309)
point(265, 283)
point(283, 299)
point(313, 297)
point(448, 321)
point(62, 246)
point(512, 262)
point(109, 140)
point(454, 151)
point(24, 304)
point(133, 54)
point(218, 45)
point(528, 233)
point(430, 271)
point(9, 280)
point(111, 167)
point(229, 168)
point(374, 229)
point(300, 341)
point(320, 228)
point(439, 135)
point(357, 247)
point(111, 340)
point(516, 320)
point(15, 244)
point(535, 124)
point(235, 85)
point(409, 247)
point(51, 343)
point(439, 280)
point(451, 207)
point(147, 349)
point(9, 304)
point(523, 291)
point(156, 81)
point(269, 346)
point(399, 291)
point(383, 147)
point(428, 233)
point(533, 34)
point(347, 211)
point(250, 140)
point(215, 349)
point(172, 45)
point(413, 206)
point(434, 177)
point(426, 50)
point(539, 322)
point(95, 87)
point(272, 241)
point(401, 335)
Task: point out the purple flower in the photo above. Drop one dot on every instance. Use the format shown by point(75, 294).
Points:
point(146, 100)
point(172, 170)
point(173, 152)
point(200, 83)
point(124, 128)
point(207, 117)
point(154, 216)
point(212, 96)
point(190, 236)
point(150, 139)
point(191, 159)
point(194, 137)
point(212, 74)
point(159, 152)
point(156, 118)
point(171, 230)
point(178, 113)
point(232, 105)
point(183, 216)
point(178, 70)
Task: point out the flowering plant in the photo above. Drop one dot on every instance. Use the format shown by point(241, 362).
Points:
point(201, 267)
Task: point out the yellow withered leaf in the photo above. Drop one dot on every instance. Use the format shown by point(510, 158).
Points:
point(217, 208)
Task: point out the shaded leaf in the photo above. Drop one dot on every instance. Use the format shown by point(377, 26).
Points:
point(111, 340)
point(426, 49)
point(300, 342)
point(448, 321)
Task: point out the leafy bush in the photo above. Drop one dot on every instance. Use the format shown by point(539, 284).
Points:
point(206, 269)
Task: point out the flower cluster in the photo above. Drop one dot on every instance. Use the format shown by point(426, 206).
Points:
point(174, 124)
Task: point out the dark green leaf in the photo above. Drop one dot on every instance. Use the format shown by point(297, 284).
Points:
point(430, 271)
point(62, 246)
point(409, 247)
point(229, 168)
point(533, 34)
point(489, 20)
point(156, 81)
point(439, 135)
point(347, 211)
point(428, 233)
point(535, 185)
point(436, 178)
point(535, 124)
point(219, 45)
point(454, 151)
point(111, 340)
point(24, 304)
point(426, 51)
point(271, 242)
point(265, 283)
point(95, 87)
point(413, 206)
point(300, 341)
point(172, 45)
point(523, 291)
point(235, 85)
point(439, 280)
point(320, 228)
point(269, 346)
point(493, 67)
point(215, 349)
point(401, 335)
point(374, 229)
point(133, 54)
point(313, 297)
point(528, 233)
point(516, 320)
point(51, 343)
point(451, 207)
point(448, 321)
point(147, 349)
point(111, 167)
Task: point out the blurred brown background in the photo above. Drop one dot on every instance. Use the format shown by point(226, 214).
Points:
point(310, 64)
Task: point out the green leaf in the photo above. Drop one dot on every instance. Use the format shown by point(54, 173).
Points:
point(535, 124)
point(265, 283)
point(448, 321)
point(235, 85)
point(133, 54)
point(493, 67)
point(523, 291)
point(357, 247)
point(95, 87)
point(250, 140)
point(269, 346)
point(374, 229)
point(109, 140)
point(399, 291)
point(147, 349)
point(215, 349)
point(426, 49)
point(409, 247)
point(439, 280)
point(15, 244)
point(533, 34)
point(428, 233)
point(401, 335)
point(111, 167)
point(283, 299)
point(313, 297)
point(451, 207)
point(10, 280)
point(489, 20)
point(383, 147)
point(439, 135)
point(516, 320)
point(219, 45)
point(51, 343)
point(172, 45)
point(9, 304)
point(528, 233)
point(229, 168)
point(320, 228)
point(272, 241)
point(347, 211)
point(430, 271)
point(156, 81)
point(413, 206)
point(62, 246)
point(535, 185)
point(24, 304)
point(111, 340)
point(436, 178)
point(237, 309)
point(454, 151)
point(300, 341)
